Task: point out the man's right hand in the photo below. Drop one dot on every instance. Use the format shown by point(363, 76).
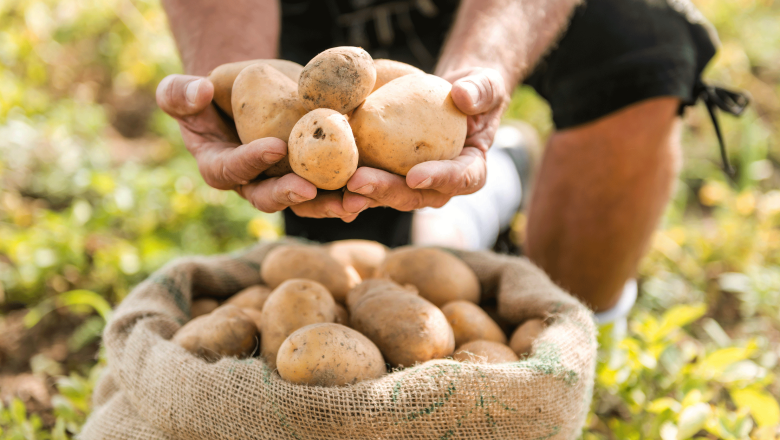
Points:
point(223, 162)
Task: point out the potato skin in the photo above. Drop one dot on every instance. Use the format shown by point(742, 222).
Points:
point(388, 70)
point(439, 276)
point(252, 297)
point(523, 338)
point(225, 75)
point(406, 328)
point(485, 352)
point(226, 331)
point(294, 304)
point(329, 355)
point(342, 315)
point(202, 306)
point(375, 286)
point(265, 104)
point(470, 323)
point(322, 149)
point(308, 262)
point(410, 120)
point(364, 255)
point(339, 79)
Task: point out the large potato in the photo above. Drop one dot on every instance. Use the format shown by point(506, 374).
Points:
point(523, 338)
point(439, 276)
point(294, 304)
point(265, 104)
point(225, 75)
point(388, 70)
point(339, 79)
point(364, 255)
point(311, 263)
point(329, 355)
point(409, 120)
point(470, 323)
point(226, 331)
point(485, 352)
point(252, 297)
point(406, 328)
point(375, 286)
point(322, 149)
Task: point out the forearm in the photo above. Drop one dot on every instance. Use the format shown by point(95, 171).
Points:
point(213, 32)
point(507, 35)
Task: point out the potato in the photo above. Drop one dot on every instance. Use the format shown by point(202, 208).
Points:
point(439, 276)
point(523, 338)
point(225, 75)
point(342, 315)
point(294, 304)
point(265, 104)
point(375, 286)
point(202, 307)
point(322, 149)
point(226, 331)
point(388, 70)
point(485, 352)
point(329, 355)
point(406, 328)
point(409, 120)
point(339, 79)
point(255, 315)
point(470, 323)
point(252, 297)
point(364, 255)
point(311, 263)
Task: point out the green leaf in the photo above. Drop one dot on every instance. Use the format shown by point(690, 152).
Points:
point(718, 361)
point(762, 406)
point(692, 420)
point(677, 317)
point(88, 298)
point(658, 406)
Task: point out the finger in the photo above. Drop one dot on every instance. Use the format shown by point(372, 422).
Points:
point(278, 193)
point(465, 174)
point(391, 190)
point(357, 203)
point(479, 92)
point(225, 166)
point(184, 95)
point(328, 204)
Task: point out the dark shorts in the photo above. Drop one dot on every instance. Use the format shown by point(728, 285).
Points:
point(614, 53)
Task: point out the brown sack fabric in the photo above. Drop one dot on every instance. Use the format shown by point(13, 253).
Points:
point(154, 389)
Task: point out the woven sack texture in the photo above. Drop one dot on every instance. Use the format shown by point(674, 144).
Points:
point(154, 389)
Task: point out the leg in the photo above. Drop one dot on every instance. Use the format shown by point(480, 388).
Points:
point(599, 194)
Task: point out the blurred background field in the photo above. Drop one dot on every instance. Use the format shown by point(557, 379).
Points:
point(97, 191)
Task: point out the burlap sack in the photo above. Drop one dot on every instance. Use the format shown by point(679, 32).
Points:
point(154, 389)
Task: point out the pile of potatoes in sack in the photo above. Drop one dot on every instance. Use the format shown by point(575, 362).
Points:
point(342, 110)
point(344, 312)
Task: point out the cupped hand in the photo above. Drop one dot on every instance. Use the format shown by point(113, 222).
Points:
point(223, 162)
point(481, 94)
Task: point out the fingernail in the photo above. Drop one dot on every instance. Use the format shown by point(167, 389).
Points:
point(365, 206)
point(272, 157)
point(365, 189)
point(192, 91)
point(296, 198)
point(472, 90)
point(424, 184)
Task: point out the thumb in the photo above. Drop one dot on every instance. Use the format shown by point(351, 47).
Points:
point(479, 92)
point(184, 95)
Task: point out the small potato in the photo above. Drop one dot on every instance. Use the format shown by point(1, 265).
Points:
point(342, 315)
point(388, 70)
point(225, 75)
point(311, 263)
point(375, 286)
point(485, 352)
point(322, 149)
point(265, 104)
point(294, 304)
point(339, 79)
point(202, 307)
point(470, 323)
point(226, 331)
point(406, 328)
point(252, 297)
point(409, 120)
point(439, 276)
point(329, 355)
point(523, 338)
point(364, 255)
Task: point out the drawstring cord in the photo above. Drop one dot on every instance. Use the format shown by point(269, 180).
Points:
point(730, 102)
